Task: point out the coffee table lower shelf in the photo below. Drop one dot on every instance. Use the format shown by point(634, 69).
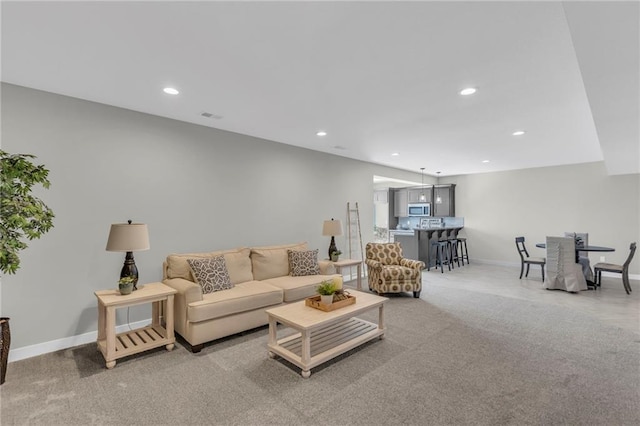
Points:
point(325, 343)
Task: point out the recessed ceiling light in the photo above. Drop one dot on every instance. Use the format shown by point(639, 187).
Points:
point(518, 133)
point(468, 91)
point(485, 161)
point(395, 154)
point(170, 91)
point(321, 133)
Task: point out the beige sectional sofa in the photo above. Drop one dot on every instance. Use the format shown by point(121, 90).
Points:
point(261, 280)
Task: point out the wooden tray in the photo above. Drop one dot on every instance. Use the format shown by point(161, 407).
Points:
point(315, 302)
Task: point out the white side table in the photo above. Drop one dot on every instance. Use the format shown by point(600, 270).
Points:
point(135, 341)
point(350, 262)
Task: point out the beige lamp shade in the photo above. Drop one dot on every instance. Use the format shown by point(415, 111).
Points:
point(331, 228)
point(128, 237)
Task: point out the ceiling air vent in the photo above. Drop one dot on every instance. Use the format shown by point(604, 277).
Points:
point(209, 115)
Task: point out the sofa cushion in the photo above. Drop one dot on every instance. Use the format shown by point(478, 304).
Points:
point(242, 297)
point(303, 262)
point(237, 260)
point(178, 267)
point(272, 261)
point(298, 288)
point(211, 273)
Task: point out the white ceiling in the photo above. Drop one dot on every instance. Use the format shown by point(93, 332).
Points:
point(379, 77)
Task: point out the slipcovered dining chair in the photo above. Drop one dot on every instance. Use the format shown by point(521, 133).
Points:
point(525, 259)
point(563, 273)
point(618, 269)
point(389, 272)
point(583, 256)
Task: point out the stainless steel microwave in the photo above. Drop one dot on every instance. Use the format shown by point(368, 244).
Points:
point(419, 209)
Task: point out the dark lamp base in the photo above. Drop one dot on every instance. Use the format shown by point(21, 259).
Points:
point(130, 270)
point(332, 246)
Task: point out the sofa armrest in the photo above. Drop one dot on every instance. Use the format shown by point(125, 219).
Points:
point(188, 292)
point(413, 264)
point(373, 264)
point(326, 267)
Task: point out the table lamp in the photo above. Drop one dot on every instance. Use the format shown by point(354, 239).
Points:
point(331, 228)
point(128, 237)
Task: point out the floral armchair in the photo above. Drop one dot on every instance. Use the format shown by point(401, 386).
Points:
point(389, 272)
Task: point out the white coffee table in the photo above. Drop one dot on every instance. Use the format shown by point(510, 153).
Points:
point(323, 335)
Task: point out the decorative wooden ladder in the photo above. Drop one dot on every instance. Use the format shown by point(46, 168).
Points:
point(354, 236)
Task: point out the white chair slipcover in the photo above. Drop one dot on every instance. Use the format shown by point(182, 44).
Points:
point(583, 255)
point(563, 273)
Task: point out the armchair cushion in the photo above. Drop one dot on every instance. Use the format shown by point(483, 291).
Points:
point(394, 273)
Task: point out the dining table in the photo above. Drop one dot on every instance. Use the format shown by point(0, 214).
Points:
point(580, 248)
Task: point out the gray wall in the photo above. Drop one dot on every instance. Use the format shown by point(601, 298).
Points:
point(198, 189)
point(545, 201)
point(201, 189)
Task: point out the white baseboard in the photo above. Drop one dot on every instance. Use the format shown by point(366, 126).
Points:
point(67, 342)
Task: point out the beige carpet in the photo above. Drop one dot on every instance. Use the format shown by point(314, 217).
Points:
point(451, 357)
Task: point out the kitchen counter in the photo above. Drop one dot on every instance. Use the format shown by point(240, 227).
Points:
point(439, 228)
point(416, 242)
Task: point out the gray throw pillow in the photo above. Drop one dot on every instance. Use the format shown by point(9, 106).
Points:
point(303, 262)
point(211, 273)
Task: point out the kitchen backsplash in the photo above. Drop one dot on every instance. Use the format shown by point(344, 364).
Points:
point(414, 222)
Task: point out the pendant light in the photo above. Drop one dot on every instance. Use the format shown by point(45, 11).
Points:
point(438, 197)
point(422, 196)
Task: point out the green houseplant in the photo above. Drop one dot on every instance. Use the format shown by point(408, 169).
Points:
point(23, 216)
point(125, 284)
point(335, 255)
point(326, 290)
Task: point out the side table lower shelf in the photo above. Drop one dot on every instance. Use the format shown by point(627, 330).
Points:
point(138, 340)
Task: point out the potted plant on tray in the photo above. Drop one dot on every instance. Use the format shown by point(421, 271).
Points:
point(326, 289)
point(335, 255)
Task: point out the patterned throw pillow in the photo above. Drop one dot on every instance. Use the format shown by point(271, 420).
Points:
point(211, 273)
point(303, 262)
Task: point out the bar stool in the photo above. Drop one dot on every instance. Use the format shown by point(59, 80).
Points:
point(442, 252)
point(462, 245)
point(453, 245)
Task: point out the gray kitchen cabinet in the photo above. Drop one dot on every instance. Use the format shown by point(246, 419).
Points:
point(400, 201)
point(446, 195)
point(381, 196)
point(414, 195)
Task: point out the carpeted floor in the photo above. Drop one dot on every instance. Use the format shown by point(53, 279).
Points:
point(451, 357)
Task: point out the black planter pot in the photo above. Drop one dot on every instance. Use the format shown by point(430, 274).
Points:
point(5, 342)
